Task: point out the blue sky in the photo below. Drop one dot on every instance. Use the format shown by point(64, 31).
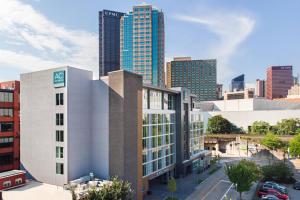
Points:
point(245, 36)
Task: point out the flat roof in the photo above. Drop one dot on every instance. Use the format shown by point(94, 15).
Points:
point(11, 173)
point(160, 88)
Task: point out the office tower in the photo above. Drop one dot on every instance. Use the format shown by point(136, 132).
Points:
point(219, 92)
point(260, 90)
point(200, 76)
point(9, 125)
point(279, 81)
point(142, 43)
point(109, 41)
point(238, 83)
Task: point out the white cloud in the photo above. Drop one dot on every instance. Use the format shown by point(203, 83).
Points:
point(51, 43)
point(231, 28)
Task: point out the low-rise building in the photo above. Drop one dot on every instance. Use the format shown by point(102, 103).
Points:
point(248, 93)
point(12, 179)
point(9, 125)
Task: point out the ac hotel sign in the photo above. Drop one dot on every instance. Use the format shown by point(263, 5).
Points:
point(59, 78)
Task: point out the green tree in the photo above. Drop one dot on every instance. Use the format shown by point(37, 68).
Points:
point(295, 146)
point(218, 124)
point(243, 174)
point(260, 127)
point(115, 190)
point(278, 172)
point(272, 142)
point(172, 186)
point(288, 127)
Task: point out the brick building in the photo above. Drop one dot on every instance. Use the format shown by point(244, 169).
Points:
point(9, 125)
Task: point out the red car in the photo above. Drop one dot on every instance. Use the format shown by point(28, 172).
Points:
point(261, 192)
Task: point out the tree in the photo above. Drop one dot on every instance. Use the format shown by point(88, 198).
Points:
point(218, 124)
point(295, 146)
point(172, 186)
point(243, 174)
point(117, 189)
point(278, 172)
point(288, 127)
point(272, 142)
point(260, 127)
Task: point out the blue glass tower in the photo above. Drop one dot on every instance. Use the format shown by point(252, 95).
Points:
point(238, 83)
point(142, 43)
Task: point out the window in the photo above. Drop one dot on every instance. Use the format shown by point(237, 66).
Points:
point(6, 142)
point(59, 136)
point(6, 112)
point(6, 184)
point(59, 168)
point(6, 126)
point(6, 159)
point(59, 152)
point(59, 119)
point(18, 181)
point(6, 97)
point(59, 99)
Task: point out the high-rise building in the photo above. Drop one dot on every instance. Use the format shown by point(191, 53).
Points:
point(109, 41)
point(238, 83)
point(219, 92)
point(9, 125)
point(279, 81)
point(200, 76)
point(260, 90)
point(115, 126)
point(142, 43)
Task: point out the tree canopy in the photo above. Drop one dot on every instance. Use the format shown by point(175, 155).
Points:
point(243, 174)
point(287, 127)
point(218, 125)
point(272, 141)
point(295, 146)
point(260, 127)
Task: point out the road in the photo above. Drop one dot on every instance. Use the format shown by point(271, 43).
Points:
point(218, 187)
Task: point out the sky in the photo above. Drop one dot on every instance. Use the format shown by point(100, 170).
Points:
point(244, 36)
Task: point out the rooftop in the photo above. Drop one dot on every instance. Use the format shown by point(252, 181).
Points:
point(11, 173)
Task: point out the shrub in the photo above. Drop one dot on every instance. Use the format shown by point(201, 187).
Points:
point(278, 172)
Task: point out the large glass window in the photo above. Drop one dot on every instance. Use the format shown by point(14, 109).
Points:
point(155, 99)
point(6, 159)
point(6, 97)
point(59, 168)
point(6, 126)
point(6, 112)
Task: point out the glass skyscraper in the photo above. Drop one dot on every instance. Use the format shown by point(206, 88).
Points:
point(238, 83)
point(109, 41)
point(142, 43)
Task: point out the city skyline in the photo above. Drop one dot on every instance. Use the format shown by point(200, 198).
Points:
point(240, 40)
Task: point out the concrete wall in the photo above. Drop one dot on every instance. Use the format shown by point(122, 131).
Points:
point(100, 129)
point(125, 128)
point(246, 118)
point(38, 126)
point(79, 84)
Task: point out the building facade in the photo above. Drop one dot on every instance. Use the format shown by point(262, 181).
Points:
point(123, 128)
point(260, 90)
point(109, 41)
point(9, 125)
point(143, 44)
point(248, 93)
point(200, 76)
point(279, 81)
point(238, 83)
point(219, 92)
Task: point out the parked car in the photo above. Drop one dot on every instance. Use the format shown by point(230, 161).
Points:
point(297, 185)
point(264, 191)
point(275, 186)
point(270, 197)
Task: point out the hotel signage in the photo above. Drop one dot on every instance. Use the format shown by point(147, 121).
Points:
point(59, 79)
